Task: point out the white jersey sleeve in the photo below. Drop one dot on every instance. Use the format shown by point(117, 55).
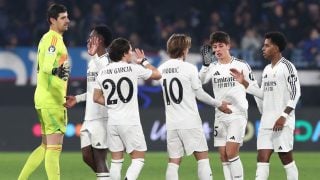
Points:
point(204, 74)
point(293, 84)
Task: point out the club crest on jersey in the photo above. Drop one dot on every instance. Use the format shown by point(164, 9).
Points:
point(51, 49)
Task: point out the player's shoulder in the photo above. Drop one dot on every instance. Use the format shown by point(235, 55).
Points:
point(286, 64)
point(238, 61)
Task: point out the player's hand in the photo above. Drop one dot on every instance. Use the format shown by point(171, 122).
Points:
point(140, 55)
point(237, 75)
point(62, 71)
point(279, 124)
point(224, 107)
point(207, 55)
point(93, 44)
point(70, 101)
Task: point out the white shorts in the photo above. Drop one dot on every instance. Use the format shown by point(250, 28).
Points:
point(231, 130)
point(279, 141)
point(126, 137)
point(188, 140)
point(94, 133)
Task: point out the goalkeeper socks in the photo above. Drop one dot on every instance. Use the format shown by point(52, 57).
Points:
point(172, 171)
point(34, 160)
point(52, 159)
point(236, 168)
point(103, 176)
point(115, 169)
point(226, 170)
point(262, 172)
point(291, 171)
point(204, 170)
point(135, 169)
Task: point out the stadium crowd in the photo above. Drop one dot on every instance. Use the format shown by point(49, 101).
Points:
point(149, 23)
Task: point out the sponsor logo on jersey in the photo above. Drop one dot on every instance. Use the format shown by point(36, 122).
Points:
point(216, 73)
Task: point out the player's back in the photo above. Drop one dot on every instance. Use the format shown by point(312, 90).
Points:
point(119, 82)
point(179, 82)
point(51, 90)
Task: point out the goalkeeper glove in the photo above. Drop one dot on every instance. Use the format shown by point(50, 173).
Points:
point(207, 55)
point(62, 71)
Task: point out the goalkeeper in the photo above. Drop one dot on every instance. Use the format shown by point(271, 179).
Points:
point(52, 75)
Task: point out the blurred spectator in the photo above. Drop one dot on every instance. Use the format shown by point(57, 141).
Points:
point(311, 47)
point(251, 41)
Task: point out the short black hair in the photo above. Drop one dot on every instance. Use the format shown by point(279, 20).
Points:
point(219, 37)
point(277, 38)
point(105, 32)
point(118, 48)
point(54, 10)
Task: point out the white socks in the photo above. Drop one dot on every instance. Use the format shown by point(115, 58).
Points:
point(103, 176)
point(292, 171)
point(134, 169)
point(172, 171)
point(262, 172)
point(204, 170)
point(236, 168)
point(226, 170)
point(115, 169)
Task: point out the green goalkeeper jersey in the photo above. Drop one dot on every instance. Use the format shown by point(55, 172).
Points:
point(51, 90)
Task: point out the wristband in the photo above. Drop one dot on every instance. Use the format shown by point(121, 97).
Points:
point(144, 62)
point(285, 115)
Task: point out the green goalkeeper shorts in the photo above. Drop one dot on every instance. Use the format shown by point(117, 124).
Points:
point(53, 120)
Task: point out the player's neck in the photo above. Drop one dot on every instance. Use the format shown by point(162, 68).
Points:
point(53, 28)
point(225, 60)
point(275, 59)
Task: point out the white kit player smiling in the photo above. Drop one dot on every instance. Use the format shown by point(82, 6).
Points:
point(181, 86)
point(117, 89)
point(229, 129)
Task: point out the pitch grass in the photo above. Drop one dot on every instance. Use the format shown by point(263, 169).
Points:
point(73, 168)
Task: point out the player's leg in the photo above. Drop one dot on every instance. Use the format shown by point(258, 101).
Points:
point(220, 140)
point(235, 135)
point(86, 148)
point(56, 120)
point(194, 142)
point(116, 148)
point(37, 156)
point(175, 152)
point(116, 165)
point(87, 157)
point(98, 139)
point(33, 162)
point(284, 139)
point(135, 143)
point(265, 150)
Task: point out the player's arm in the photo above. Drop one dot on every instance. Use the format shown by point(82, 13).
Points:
point(73, 100)
point(92, 47)
point(141, 59)
point(205, 97)
point(251, 88)
point(98, 96)
point(50, 64)
point(293, 88)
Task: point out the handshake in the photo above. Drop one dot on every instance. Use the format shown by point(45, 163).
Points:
point(207, 55)
point(63, 71)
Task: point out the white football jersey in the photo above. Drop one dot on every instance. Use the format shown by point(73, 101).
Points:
point(119, 83)
point(226, 88)
point(94, 110)
point(280, 88)
point(179, 81)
